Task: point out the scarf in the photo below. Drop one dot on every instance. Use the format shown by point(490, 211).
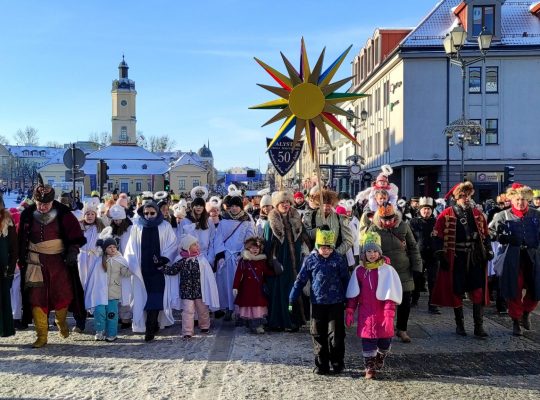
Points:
point(187, 254)
point(374, 264)
point(519, 213)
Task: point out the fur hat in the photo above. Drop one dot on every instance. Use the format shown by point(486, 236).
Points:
point(519, 190)
point(459, 189)
point(266, 200)
point(426, 202)
point(329, 197)
point(117, 212)
point(42, 192)
point(371, 241)
point(187, 241)
point(235, 201)
point(281, 197)
point(325, 237)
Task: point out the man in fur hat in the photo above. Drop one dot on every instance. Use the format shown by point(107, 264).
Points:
point(49, 241)
point(326, 215)
point(463, 249)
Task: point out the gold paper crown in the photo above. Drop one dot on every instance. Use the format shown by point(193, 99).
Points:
point(325, 238)
point(536, 193)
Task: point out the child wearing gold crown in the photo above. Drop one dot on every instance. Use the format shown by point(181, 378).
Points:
point(375, 289)
point(328, 275)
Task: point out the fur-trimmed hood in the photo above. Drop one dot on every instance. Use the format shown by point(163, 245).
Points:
point(246, 255)
point(276, 224)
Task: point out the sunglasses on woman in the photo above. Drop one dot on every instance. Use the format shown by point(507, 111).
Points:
point(150, 213)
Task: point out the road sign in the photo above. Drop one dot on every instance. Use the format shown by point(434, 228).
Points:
point(74, 157)
point(79, 176)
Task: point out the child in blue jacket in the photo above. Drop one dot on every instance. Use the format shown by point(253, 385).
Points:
point(328, 273)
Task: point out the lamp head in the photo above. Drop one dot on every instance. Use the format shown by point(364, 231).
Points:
point(484, 40)
point(363, 115)
point(458, 35)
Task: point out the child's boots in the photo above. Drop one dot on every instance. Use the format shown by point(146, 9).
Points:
point(379, 359)
point(369, 363)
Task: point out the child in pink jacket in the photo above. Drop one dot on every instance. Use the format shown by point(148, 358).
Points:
point(375, 289)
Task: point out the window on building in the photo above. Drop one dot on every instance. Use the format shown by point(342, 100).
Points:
point(378, 99)
point(370, 146)
point(475, 79)
point(196, 182)
point(149, 185)
point(182, 184)
point(364, 66)
point(492, 79)
point(363, 148)
point(144, 166)
point(26, 153)
point(483, 17)
point(370, 106)
point(110, 186)
point(492, 131)
point(476, 141)
point(138, 186)
point(378, 143)
point(123, 134)
point(386, 139)
point(386, 93)
point(50, 181)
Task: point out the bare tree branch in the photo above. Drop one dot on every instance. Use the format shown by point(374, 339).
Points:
point(27, 137)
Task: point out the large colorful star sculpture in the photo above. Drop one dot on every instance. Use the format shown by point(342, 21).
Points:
point(307, 99)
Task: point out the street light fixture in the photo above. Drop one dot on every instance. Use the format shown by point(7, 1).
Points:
point(354, 161)
point(464, 130)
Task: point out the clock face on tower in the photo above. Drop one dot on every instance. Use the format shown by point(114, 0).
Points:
point(123, 103)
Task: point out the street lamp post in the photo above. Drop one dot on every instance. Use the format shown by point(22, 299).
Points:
point(466, 131)
point(355, 161)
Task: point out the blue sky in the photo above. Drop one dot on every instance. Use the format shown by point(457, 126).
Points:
point(192, 62)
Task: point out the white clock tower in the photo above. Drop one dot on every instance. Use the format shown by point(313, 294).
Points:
point(124, 120)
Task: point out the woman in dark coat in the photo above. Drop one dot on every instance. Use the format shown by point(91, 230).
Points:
point(518, 231)
point(283, 236)
point(8, 258)
point(399, 245)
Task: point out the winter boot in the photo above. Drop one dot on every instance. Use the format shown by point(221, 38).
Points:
point(41, 322)
point(526, 320)
point(516, 329)
point(61, 323)
point(460, 321)
point(379, 359)
point(369, 363)
point(478, 315)
point(151, 325)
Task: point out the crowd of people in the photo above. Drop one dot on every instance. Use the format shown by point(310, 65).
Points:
point(270, 263)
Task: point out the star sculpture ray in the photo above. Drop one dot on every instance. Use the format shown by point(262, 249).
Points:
point(307, 100)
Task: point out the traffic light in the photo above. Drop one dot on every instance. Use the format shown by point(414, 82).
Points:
point(102, 176)
point(509, 174)
point(438, 187)
point(166, 185)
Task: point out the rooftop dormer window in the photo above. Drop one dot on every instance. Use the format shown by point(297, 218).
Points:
point(483, 17)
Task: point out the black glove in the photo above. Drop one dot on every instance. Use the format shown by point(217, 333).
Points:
point(71, 257)
point(443, 262)
point(160, 261)
point(503, 239)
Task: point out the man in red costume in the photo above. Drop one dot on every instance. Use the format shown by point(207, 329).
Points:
point(49, 240)
point(463, 248)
